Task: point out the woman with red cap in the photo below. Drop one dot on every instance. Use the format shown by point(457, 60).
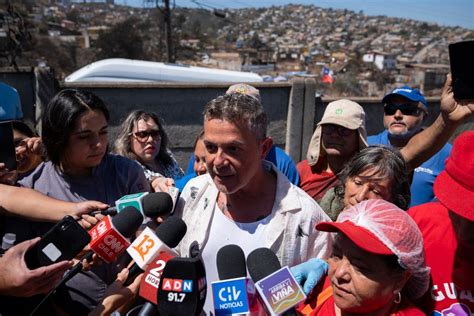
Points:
point(377, 265)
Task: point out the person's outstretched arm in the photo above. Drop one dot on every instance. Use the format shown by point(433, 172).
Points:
point(428, 142)
point(36, 206)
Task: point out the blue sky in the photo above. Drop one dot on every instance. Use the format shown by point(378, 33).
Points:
point(443, 12)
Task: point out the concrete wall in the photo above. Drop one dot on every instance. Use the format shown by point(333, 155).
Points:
point(23, 81)
point(292, 109)
point(181, 106)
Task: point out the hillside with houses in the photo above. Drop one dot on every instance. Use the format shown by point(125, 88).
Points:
point(349, 53)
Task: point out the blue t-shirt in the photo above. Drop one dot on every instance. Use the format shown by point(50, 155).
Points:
point(276, 155)
point(10, 105)
point(113, 178)
point(425, 175)
point(181, 183)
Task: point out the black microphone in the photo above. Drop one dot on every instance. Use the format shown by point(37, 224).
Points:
point(157, 204)
point(108, 211)
point(182, 289)
point(150, 204)
point(261, 263)
point(279, 291)
point(230, 261)
point(235, 294)
point(150, 244)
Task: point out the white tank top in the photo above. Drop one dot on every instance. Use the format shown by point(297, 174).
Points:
point(224, 231)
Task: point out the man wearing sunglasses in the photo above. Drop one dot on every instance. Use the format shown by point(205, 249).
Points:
point(405, 110)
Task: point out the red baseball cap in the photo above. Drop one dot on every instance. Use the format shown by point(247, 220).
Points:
point(358, 235)
point(454, 186)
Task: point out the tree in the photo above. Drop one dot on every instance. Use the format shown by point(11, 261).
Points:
point(124, 40)
point(74, 15)
point(255, 42)
point(17, 35)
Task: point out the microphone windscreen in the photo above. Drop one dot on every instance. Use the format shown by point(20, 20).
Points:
point(171, 231)
point(230, 262)
point(127, 221)
point(182, 288)
point(261, 263)
point(157, 204)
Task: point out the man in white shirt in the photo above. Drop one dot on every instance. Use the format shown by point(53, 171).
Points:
point(242, 199)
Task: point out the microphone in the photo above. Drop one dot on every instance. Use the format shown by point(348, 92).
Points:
point(109, 211)
point(157, 204)
point(277, 287)
point(151, 205)
point(150, 282)
point(109, 238)
point(182, 289)
point(235, 294)
point(150, 244)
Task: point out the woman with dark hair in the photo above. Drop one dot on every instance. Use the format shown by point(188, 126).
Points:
point(376, 172)
point(142, 138)
point(74, 133)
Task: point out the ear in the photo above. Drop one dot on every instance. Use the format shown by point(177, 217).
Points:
point(400, 281)
point(265, 146)
point(425, 112)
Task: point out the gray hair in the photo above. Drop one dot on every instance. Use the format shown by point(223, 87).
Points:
point(387, 163)
point(123, 144)
point(239, 108)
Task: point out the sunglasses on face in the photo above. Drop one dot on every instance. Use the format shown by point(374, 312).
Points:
point(340, 130)
point(406, 109)
point(142, 136)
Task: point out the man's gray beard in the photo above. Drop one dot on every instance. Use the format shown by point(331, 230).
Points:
point(402, 137)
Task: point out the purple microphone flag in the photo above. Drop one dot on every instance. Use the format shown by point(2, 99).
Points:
point(280, 291)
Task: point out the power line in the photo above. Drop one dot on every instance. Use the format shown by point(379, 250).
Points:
point(202, 5)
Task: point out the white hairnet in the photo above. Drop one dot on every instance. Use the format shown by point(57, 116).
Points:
point(399, 233)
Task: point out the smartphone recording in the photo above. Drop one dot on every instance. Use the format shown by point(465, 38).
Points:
point(7, 146)
point(462, 69)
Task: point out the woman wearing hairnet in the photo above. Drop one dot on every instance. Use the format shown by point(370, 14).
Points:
point(377, 265)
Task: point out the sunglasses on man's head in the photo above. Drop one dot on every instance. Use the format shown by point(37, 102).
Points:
point(142, 136)
point(406, 109)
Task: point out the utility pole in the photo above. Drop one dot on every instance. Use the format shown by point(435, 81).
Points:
point(169, 42)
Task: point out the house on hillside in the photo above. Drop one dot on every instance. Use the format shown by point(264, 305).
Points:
point(381, 60)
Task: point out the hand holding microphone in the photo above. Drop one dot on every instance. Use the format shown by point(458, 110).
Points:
point(109, 238)
point(117, 295)
point(151, 205)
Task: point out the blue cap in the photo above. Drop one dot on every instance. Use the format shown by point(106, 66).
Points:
point(407, 92)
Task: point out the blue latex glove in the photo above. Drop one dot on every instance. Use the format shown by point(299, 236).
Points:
point(308, 273)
